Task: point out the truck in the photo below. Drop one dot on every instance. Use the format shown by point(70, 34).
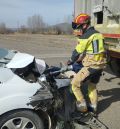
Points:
point(105, 17)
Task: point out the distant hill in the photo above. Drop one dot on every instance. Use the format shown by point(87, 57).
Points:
point(63, 27)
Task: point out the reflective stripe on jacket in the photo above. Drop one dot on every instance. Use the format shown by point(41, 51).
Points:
point(92, 44)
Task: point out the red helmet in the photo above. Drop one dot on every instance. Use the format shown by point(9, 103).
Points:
point(80, 20)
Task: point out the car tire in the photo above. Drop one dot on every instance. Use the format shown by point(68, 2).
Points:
point(115, 66)
point(21, 119)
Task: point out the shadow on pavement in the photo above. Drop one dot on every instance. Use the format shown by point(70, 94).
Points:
point(110, 79)
point(112, 95)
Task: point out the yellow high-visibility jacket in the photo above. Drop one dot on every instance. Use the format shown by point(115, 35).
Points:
point(91, 44)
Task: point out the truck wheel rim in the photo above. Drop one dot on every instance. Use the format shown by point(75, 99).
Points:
point(19, 123)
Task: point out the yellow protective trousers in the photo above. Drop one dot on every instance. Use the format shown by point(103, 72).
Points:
point(76, 86)
point(92, 93)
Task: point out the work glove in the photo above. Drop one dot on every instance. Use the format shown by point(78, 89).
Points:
point(66, 68)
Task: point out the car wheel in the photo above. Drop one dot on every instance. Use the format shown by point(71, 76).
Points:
point(21, 119)
point(115, 66)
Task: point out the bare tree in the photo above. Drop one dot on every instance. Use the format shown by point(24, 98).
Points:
point(23, 29)
point(36, 23)
point(3, 28)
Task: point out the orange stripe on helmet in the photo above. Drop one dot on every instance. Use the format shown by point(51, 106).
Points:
point(81, 15)
point(76, 19)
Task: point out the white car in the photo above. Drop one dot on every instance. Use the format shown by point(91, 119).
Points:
point(19, 73)
point(33, 96)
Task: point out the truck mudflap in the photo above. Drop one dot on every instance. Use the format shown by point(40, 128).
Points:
point(91, 121)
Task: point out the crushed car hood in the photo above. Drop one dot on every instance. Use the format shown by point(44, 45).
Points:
point(20, 60)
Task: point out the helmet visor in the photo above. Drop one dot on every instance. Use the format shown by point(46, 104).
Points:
point(76, 26)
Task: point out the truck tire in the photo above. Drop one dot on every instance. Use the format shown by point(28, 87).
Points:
point(115, 66)
point(22, 119)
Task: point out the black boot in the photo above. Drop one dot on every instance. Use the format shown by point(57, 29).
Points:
point(93, 109)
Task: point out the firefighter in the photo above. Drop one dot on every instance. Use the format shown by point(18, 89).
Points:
point(90, 50)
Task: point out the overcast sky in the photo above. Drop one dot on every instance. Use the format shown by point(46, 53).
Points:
point(16, 12)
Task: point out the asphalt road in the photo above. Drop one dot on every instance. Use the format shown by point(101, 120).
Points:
point(54, 49)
